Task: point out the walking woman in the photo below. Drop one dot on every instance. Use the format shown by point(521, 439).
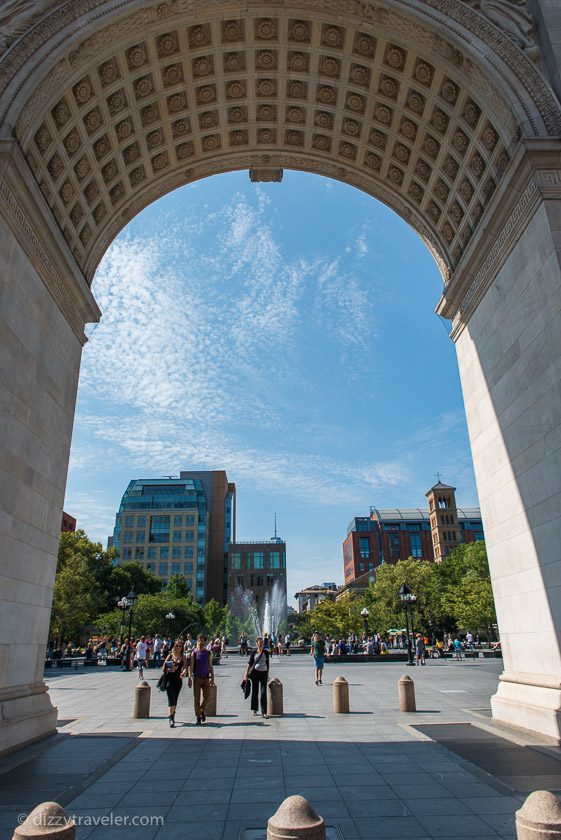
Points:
point(258, 672)
point(175, 667)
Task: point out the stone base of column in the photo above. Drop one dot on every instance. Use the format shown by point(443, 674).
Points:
point(529, 702)
point(26, 715)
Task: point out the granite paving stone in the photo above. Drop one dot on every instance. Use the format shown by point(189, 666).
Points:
point(372, 772)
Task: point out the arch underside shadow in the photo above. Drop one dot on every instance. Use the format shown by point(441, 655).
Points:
point(399, 102)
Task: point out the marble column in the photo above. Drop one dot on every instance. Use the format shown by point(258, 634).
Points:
point(44, 304)
point(507, 328)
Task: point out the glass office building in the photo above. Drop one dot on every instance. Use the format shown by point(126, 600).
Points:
point(162, 524)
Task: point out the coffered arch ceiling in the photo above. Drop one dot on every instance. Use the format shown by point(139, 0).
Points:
point(400, 100)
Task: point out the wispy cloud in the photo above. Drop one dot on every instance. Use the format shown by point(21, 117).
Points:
point(214, 350)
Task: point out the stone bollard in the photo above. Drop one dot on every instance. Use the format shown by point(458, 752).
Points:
point(48, 821)
point(210, 708)
point(296, 820)
point(141, 704)
point(539, 818)
point(274, 698)
point(341, 696)
point(406, 688)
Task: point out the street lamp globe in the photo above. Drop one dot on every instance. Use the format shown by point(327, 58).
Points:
point(364, 612)
point(170, 616)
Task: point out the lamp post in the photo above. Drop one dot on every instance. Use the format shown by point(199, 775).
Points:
point(364, 613)
point(128, 603)
point(408, 599)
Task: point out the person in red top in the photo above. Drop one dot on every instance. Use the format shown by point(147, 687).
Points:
point(201, 677)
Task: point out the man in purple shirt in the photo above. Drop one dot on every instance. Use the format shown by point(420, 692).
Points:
point(202, 677)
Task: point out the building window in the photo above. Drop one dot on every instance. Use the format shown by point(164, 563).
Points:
point(152, 552)
point(190, 519)
point(361, 567)
point(177, 521)
point(187, 568)
point(129, 521)
point(141, 521)
point(177, 536)
point(236, 560)
point(240, 580)
point(163, 568)
point(364, 548)
point(394, 546)
point(270, 581)
point(127, 537)
point(258, 560)
point(139, 553)
point(176, 553)
point(164, 553)
point(140, 536)
point(416, 550)
point(274, 560)
point(189, 536)
point(176, 568)
point(159, 529)
point(189, 551)
point(371, 567)
point(127, 553)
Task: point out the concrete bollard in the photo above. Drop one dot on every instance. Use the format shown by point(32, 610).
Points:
point(141, 704)
point(406, 688)
point(539, 818)
point(275, 698)
point(210, 708)
point(48, 821)
point(296, 820)
point(341, 696)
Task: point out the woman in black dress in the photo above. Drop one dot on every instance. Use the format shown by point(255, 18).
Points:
point(258, 672)
point(175, 667)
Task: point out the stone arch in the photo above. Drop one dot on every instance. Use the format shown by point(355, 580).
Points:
point(420, 107)
point(439, 108)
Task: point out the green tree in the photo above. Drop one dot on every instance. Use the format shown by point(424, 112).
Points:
point(332, 618)
point(74, 603)
point(178, 587)
point(81, 584)
point(462, 589)
point(218, 621)
point(384, 604)
point(130, 575)
point(149, 617)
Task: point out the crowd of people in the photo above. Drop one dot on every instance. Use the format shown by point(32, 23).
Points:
point(186, 658)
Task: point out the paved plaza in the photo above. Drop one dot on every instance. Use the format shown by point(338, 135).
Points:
point(375, 773)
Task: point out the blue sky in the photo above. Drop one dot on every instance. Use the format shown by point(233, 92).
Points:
point(285, 333)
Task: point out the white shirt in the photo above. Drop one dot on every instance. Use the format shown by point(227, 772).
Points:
point(141, 650)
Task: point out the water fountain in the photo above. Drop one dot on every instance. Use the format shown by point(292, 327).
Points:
point(266, 620)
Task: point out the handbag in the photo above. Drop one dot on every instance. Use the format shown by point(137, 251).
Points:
point(246, 688)
point(162, 683)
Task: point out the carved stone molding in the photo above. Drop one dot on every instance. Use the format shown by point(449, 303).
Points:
point(73, 298)
point(396, 105)
point(534, 176)
point(451, 12)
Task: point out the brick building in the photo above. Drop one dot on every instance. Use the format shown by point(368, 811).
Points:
point(387, 536)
